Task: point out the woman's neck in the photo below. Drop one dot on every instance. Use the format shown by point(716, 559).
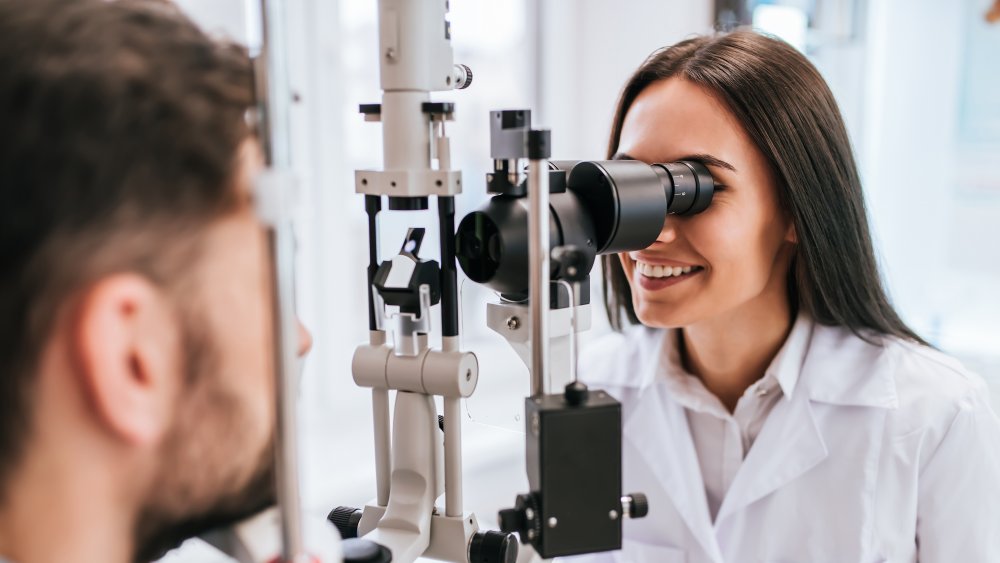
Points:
point(730, 352)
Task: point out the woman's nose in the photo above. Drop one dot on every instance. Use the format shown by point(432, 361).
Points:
point(669, 232)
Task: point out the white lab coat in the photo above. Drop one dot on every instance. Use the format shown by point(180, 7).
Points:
point(881, 453)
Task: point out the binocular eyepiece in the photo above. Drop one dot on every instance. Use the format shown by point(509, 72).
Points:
point(598, 207)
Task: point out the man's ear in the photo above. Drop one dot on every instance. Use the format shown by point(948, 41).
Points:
point(125, 339)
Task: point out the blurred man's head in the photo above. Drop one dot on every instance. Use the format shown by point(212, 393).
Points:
point(134, 316)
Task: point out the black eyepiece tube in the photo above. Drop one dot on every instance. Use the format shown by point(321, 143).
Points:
point(608, 206)
point(689, 186)
point(626, 200)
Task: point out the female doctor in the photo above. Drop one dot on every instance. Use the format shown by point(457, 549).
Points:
point(776, 408)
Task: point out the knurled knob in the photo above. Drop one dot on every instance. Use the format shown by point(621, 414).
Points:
point(463, 76)
point(346, 519)
point(639, 505)
point(492, 547)
point(364, 551)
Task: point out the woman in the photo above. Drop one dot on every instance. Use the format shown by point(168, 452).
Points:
point(776, 408)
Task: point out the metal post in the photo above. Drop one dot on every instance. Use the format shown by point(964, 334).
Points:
point(383, 468)
point(273, 98)
point(453, 456)
point(538, 271)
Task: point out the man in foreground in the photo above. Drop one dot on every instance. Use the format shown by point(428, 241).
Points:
point(136, 389)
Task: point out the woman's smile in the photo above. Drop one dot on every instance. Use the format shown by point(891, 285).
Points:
point(654, 277)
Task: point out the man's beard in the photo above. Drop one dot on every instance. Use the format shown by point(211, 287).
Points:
point(159, 530)
point(201, 484)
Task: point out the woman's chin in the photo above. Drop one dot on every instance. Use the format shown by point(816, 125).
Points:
point(656, 315)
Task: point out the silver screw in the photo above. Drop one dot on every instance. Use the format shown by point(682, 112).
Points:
point(513, 323)
point(529, 513)
point(553, 522)
point(390, 53)
point(613, 514)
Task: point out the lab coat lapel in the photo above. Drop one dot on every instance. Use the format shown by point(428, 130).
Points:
point(789, 444)
point(674, 460)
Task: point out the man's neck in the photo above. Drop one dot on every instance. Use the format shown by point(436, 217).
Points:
point(57, 509)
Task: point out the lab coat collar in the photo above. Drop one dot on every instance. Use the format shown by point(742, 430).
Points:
point(843, 369)
point(787, 364)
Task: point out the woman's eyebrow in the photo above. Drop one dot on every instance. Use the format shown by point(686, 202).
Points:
point(706, 159)
point(709, 160)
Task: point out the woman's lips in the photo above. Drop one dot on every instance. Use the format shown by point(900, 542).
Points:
point(655, 284)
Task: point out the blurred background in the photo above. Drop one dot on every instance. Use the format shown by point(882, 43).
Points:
point(916, 80)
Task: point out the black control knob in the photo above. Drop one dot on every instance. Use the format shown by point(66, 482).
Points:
point(638, 505)
point(574, 262)
point(346, 519)
point(492, 547)
point(576, 393)
point(364, 551)
point(522, 519)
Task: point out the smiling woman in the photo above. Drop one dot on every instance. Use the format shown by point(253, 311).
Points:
point(775, 406)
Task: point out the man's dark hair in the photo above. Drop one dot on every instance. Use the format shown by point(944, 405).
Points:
point(120, 128)
point(788, 111)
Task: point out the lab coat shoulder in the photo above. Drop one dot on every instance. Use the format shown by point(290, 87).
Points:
point(940, 446)
point(922, 388)
point(933, 391)
point(946, 428)
point(924, 391)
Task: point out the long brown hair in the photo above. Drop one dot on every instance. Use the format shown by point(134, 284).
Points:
point(791, 116)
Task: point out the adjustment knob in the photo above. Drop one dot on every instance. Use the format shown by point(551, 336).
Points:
point(346, 519)
point(492, 547)
point(364, 551)
point(463, 77)
point(522, 519)
point(576, 393)
point(574, 262)
point(635, 505)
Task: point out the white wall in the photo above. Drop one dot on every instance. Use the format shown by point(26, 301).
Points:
point(912, 84)
point(588, 49)
point(934, 201)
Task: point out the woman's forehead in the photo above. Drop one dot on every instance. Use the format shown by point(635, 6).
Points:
point(673, 118)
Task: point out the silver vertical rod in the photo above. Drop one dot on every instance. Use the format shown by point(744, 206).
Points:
point(273, 98)
point(453, 456)
point(286, 364)
point(452, 444)
point(538, 272)
point(383, 469)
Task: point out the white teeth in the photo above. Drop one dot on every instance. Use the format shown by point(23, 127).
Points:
point(652, 271)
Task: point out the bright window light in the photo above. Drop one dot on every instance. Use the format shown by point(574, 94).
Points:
point(787, 22)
